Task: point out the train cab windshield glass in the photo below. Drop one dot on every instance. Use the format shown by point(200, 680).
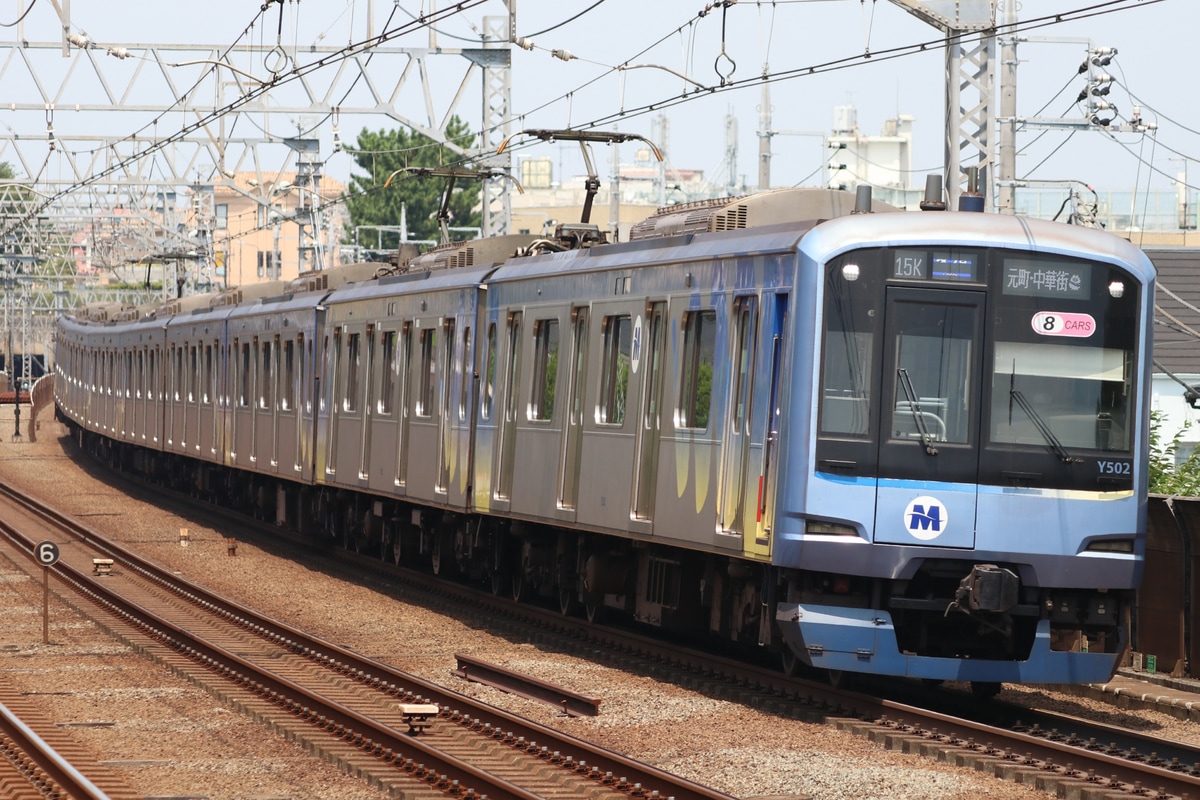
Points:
point(977, 365)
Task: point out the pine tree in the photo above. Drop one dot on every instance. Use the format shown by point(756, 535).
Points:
point(379, 154)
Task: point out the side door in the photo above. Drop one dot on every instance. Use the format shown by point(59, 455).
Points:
point(734, 502)
point(645, 462)
point(568, 472)
point(929, 417)
point(506, 446)
point(775, 316)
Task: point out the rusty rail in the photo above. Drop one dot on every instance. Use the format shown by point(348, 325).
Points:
point(44, 763)
point(572, 703)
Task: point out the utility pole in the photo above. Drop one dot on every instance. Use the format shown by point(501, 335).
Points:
point(731, 154)
point(614, 194)
point(1006, 165)
point(764, 137)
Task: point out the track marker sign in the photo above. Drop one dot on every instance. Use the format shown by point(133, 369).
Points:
point(46, 554)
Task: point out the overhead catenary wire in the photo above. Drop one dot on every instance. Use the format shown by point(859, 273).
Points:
point(252, 94)
point(1111, 6)
point(1086, 12)
point(24, 14)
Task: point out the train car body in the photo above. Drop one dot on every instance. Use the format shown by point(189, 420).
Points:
point(894, 443)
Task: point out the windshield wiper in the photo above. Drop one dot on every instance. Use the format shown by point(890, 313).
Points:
point(915, 408)
point(1043, 428)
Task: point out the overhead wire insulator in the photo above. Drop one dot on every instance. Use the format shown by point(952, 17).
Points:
point(82, 42)
point(1100, 85)
point(563, 55)
point(1102, 56)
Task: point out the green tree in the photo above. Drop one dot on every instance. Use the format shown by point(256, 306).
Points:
point(1180, 479)
point(381, 153)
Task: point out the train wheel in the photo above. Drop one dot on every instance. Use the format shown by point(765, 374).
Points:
point(497, 581)
point(349, 530)
point(593, 610)
point(985, 690)
point(789, 662)
point(397, 554)
point(437, 556)
point(566, 601)
point(839, 679)
point(518, 585)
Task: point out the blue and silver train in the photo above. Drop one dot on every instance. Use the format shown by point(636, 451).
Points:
point(900, 443)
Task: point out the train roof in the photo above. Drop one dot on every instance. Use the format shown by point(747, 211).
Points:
point(974, 229)
point(800, 207)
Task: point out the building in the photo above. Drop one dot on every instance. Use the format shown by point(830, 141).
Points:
point(883, 161)
point(272, 227)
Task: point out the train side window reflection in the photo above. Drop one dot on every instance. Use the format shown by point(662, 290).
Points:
point(350, 401)
point(245, 376)
point(266, 399)
point(387, 387)
point(465, 377)
point(287, 399)
point(545, 369)
point(614, 378)
point(489, 375)
point(695, 384)
point(427, 379)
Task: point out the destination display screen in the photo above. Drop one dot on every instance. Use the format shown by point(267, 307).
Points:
point(922, 265)
point(1045, 278)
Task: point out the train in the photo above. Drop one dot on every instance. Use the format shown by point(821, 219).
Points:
point(869, 440)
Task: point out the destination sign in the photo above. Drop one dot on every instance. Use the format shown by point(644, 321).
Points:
point(920, 265)
point(1039, 278)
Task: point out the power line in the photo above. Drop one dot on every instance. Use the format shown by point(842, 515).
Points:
point(23, 16)
point(568, 20)
point(251, 94)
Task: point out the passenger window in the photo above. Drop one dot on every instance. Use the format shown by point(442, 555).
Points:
point(695, 383)
point(244, 388)
point(287, 394)
point(266, 398)
point(614, 376)
point(192, 375)
point(464, 374)
point(206, 380)
point(387, 387)
point(489, 375)
point(350, 401)
point(545, 369)
point(427, 378)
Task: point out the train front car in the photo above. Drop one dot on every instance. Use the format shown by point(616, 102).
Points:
point(971, 502)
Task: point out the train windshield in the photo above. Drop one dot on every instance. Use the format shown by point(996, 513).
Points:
point(1062, 366)
point(980, 365)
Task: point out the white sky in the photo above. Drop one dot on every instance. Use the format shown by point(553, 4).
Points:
point(1155, 41)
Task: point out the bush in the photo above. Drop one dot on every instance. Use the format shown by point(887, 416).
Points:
point(1167, 477)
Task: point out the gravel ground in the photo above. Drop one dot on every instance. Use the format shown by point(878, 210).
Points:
point(169, 738)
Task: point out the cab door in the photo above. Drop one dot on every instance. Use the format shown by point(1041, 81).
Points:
point(929, 417)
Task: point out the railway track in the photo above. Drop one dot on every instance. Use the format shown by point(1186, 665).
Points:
point(32, 768)
point(1069, 762)
point(399, 732)
point(1070, 755)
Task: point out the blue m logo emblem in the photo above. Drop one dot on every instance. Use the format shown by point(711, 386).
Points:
point(920, 519)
